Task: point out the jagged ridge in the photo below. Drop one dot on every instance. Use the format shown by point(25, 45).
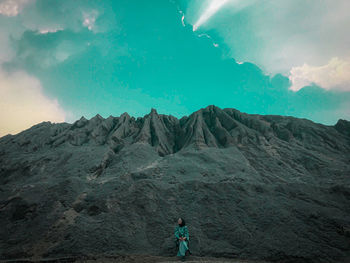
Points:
point(252, 186)
point(207, 127)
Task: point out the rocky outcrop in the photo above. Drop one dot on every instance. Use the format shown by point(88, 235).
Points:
point(249, 186)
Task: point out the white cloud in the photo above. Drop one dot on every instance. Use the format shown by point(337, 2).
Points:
point(47, 30)
point(89, 19)
point(212, 8)
point(6, 50)
point(204, 35)
point(310, 32)
point(335, 75)
point(12, 7)
point(209, 37)
point(23, 104)
point(280, 35)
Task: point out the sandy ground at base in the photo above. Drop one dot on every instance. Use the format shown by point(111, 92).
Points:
point(138, 259)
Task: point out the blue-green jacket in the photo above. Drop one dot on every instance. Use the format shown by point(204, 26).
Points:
point(181, 231)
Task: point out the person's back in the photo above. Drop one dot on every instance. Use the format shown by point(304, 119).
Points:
point(182, 238)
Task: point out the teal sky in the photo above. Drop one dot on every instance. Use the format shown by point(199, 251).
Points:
point(64, 59)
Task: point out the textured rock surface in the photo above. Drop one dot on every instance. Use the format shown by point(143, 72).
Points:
point(250, 186)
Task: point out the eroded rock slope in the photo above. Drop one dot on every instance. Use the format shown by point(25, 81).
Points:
point(249, 186)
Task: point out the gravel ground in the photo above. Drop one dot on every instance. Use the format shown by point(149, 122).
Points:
point(140, 259)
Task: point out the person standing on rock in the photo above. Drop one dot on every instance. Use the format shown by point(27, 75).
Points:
point(182, 238)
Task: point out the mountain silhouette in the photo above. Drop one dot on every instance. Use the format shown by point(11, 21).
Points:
point(249, 186)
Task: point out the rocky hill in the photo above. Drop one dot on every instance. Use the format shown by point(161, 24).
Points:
point(249, 186)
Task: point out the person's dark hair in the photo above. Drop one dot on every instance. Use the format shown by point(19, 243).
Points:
point(183, 223)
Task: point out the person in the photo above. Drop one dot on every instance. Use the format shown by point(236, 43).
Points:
point(182, 238)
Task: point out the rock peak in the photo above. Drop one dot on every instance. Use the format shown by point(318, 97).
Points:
point(125, 114)
point(212, 107)
point(97, 117)
point(153, 111)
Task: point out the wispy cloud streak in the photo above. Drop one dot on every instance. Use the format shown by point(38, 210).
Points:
point(212, 8)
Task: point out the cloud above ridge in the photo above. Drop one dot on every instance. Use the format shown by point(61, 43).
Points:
point(335, 75)
point(284, 37)
point(213, 7)
point(12, 7)
point(23, 103)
